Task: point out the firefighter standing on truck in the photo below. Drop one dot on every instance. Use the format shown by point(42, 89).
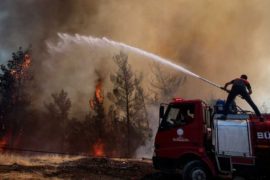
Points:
point(240, 87)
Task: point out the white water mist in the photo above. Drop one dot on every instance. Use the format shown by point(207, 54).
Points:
point(104, 42)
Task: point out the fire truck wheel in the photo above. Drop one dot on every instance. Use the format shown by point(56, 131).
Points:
point(195, 170)
point(239, 178)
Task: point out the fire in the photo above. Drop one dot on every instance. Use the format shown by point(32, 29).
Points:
point(25, 66)
point(22, 72)
point(99, 94)
point(13, 72)
point(98, 97)
point(27, 61)
point(98, 148)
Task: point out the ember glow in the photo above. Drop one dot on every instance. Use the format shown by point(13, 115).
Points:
point(22, 71)
point(27, 62)
point(13, 72)
point(98, 148)
point(25, 66)
point(4, 141)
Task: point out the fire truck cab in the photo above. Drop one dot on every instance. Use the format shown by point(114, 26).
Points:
point(192, 138)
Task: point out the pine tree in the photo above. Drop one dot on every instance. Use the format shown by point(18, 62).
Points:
point(164, 85)
point(98, 113)
point(15, 82)
point(58, 117)
point(128, 98)
point(140, 111)
point(61, 105)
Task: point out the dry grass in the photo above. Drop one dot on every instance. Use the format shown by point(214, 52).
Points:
point(58, 167)
point(22, 176)
point(9, 159)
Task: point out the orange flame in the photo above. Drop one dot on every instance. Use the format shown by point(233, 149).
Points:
point(24, 67)
point(98, 148)
point(98, 99)
point(99, 95)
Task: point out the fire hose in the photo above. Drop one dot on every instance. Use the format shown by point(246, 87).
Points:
point(222, 88)
point(216, 85)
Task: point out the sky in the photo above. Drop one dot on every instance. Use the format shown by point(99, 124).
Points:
point(217, 39)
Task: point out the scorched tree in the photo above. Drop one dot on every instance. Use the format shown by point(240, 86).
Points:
point(15, 79)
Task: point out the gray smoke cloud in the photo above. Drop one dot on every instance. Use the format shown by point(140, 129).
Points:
point(218, 40)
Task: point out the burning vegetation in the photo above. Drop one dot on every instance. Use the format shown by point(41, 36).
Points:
point(14, 83)
point(98, 97)
point(116, 132)
point(3, 143)
point(98, 148)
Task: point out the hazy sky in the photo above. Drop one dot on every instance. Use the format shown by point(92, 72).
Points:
point(217, 39)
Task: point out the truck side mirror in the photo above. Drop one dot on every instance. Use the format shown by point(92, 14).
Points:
point(161, 111)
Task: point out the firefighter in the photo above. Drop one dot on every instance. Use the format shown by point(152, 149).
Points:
point(240, 86)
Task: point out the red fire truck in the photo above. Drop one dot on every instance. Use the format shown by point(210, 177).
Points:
point(193, 139)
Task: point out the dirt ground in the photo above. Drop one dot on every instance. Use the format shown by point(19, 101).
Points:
point(77, 167)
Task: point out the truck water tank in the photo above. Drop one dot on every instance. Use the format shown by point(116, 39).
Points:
point(232, 136)
point(219, 106)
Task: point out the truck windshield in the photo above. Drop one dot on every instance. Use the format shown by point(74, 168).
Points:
point(178, 115)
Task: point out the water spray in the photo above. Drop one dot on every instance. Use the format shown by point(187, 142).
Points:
point(104, 42)
point(210, 82)
point(163, 61)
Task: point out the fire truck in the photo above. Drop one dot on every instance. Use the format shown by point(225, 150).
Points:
point(194, 139)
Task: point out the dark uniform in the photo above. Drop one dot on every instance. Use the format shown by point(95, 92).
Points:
point(240, 87)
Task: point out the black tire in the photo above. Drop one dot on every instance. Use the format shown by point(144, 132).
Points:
point(195, 170)
point(239, 178)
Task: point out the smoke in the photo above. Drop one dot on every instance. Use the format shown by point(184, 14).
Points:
point(75, 66)
point(218, 40)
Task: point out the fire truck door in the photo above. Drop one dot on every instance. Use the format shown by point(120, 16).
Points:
point(178, 130)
